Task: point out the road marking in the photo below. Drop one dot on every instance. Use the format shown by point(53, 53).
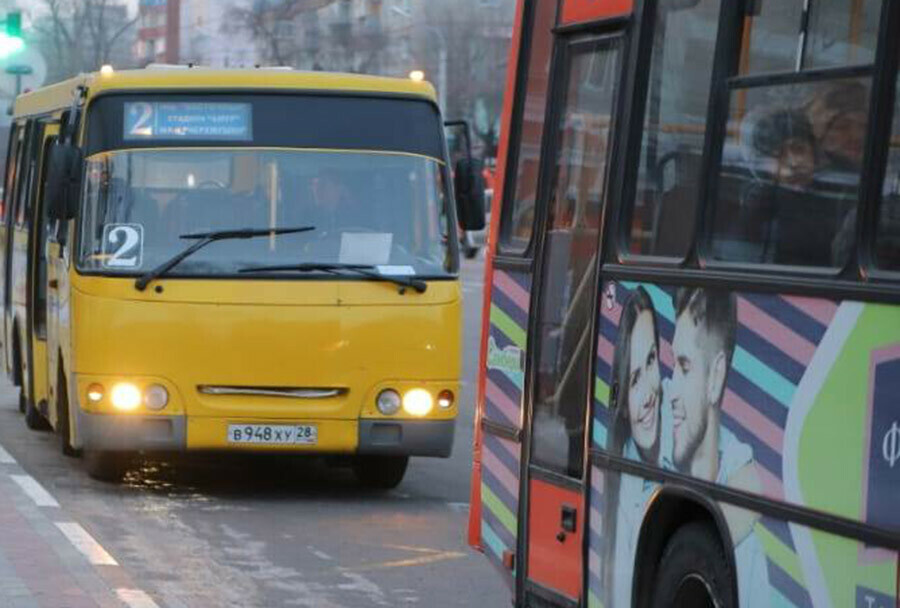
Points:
point(429, 556)
point(135, 598)
point(85, 543)
point(460, 507)
point(35, 491)
point(5, 457)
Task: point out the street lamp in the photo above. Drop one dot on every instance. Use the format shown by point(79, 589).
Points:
point(442, 58)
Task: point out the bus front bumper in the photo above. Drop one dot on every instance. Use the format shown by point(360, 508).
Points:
point(111, 432)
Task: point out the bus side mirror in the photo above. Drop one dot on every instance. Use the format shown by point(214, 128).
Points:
point(469, 186)
point(63, 184)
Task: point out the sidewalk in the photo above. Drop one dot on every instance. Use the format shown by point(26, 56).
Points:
point(47, 560)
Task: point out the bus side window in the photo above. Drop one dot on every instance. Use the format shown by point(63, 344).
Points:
point(517, 223)
point(21, 176)
point(887, 243)
point(10, 181)
point(661, 217)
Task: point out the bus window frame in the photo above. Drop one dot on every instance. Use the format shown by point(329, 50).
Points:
point(859, 264)
point(886, 79)
point(506, 247)
point(862, 281)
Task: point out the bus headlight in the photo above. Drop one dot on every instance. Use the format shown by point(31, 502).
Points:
point(388, 402)
point(156, 397)
point(125, 396)
point(418, 402)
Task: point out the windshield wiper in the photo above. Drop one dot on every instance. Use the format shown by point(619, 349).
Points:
point(205, 238)
point(338, 270)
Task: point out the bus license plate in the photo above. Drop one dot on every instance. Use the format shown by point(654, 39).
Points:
point(272, 434)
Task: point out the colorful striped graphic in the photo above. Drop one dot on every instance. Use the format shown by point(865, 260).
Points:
point(595, 540)
point(504, 386)
point(776, 340)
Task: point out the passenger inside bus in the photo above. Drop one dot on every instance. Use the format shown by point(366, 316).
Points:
point(789, 183)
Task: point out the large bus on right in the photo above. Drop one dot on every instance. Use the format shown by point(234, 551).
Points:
point(689, 389)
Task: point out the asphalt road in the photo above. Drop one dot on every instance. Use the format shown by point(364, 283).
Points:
point(263, 531)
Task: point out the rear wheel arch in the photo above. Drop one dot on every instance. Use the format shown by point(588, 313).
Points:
point(671, 508)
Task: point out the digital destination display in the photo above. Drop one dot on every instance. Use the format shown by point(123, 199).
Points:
point(188, 121)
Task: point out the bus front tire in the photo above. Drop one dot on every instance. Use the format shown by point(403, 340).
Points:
point(64, 426)
point(106, 466)
point(34, 419)
point(693, 571)
point(380, 472)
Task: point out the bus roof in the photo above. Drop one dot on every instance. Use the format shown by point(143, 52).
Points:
point(59, 96)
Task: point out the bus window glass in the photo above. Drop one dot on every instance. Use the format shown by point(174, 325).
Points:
point(772, 37)
point(669, 180)
point(518, 224)
point(570, 258)
point(11, 164)
point(837, 33)
point(842, 32)
point(378, 209)
point(887, 244)
point(789, 180)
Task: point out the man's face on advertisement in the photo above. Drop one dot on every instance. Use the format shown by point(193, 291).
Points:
point(644, 385)
point(690, 381)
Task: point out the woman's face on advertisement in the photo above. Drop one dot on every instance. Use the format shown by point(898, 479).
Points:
point(644, 384)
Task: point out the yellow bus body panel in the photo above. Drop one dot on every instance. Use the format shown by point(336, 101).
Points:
point(356, 336)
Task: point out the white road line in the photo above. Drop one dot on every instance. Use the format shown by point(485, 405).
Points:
point(135, 598)
point(5, 457)
point(85, 543)
point(35, 491)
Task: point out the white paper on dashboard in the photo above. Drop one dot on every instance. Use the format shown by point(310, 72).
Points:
point(366, 248)
point(396, 271)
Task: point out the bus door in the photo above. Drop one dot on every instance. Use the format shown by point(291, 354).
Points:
point(573, 193)
point(15, 137)
point(37, 271)
point(20, 280)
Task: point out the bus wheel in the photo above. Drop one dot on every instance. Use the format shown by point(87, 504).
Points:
point(34, 419)
point(64, 426)
point(106, 466)
point(693, 572)
point(380, 472)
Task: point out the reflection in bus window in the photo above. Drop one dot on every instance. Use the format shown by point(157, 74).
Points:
point(789, 180)
point(674, 128)
point(887, 245)
point(562, 383)
point(842, 32)
point(836, 33)
point(519, 224)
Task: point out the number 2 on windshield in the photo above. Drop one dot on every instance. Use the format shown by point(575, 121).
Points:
point(123, 245)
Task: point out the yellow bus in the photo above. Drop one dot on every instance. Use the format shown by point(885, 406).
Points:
point(259, 260)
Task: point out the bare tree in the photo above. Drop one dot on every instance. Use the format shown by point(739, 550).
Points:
point(271, 23)
point(81, 35)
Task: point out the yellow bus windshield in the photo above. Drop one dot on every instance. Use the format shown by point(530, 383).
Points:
point(381, 209)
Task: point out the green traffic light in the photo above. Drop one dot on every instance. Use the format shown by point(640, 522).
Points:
point(14, 24)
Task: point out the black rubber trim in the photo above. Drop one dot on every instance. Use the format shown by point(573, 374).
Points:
point(501, 430)
point(593, 27)
point(558, 479)
point(804, 516)
point(758, 281)
point(548, 595)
